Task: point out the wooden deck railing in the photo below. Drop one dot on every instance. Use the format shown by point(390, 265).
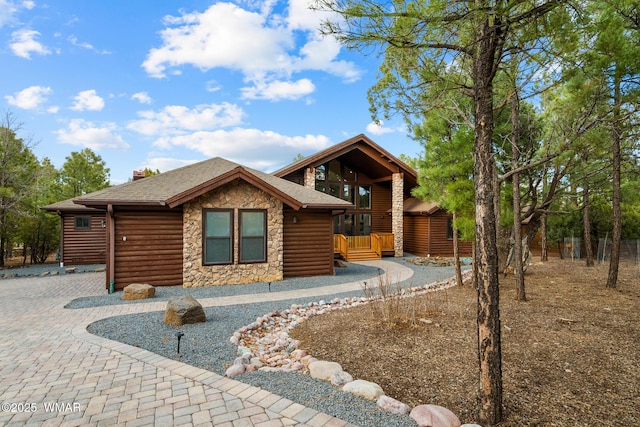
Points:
point(341, 245)
point(378, 242)
point(386, 241)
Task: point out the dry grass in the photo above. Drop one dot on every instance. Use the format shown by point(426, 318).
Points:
point(571, 354)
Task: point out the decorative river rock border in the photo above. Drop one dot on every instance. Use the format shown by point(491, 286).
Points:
point(267, 346)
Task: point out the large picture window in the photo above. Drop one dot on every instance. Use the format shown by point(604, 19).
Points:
point(253, 236)
point(218, 236)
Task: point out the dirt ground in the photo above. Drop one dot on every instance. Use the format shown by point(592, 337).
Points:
point(570, 354)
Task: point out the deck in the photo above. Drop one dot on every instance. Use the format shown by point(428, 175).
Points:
point(362, 248)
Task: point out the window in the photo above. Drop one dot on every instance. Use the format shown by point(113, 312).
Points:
point(253, 236)
point(217, 228)
point(364, 224)
point(334, 171)
point(337, 224)
point(82, 222)
point(364, 197)
point(450, 229)
point(321, 173)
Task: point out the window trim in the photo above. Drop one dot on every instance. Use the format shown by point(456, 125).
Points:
point(205, 238)
point(264, 236)
point(82, 227)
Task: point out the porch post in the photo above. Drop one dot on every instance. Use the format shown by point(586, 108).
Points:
point(397, 190)
point(310, 177)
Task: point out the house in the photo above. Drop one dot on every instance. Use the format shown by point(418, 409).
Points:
point(217, 222)
point(378, 185)
point(82, 233)
point(214, 222)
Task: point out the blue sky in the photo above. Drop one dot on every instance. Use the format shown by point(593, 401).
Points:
point(161, 84)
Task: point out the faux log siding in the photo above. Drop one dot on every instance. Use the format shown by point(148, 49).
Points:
point(417, 240)
point(416, 235)
point(308, 244)
point(82, 247)
point(440, 245)
point(380, 205)
point(152, 252)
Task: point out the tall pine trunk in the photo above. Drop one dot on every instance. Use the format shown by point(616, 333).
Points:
point(586, 223)
point(544, 255)
point(488, 315)
point(456, 252)
point(612, 279)
point(518, 270)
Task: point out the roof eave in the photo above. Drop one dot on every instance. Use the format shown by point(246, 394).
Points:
point(327, 206)
point(237, 173)
point(338, 149)
point(104, 203)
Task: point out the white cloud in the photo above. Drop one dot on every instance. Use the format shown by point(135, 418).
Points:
point(86, 134)
point(222, 36)
point(10, 8)
point(74, 41)
point(178, 119)
point(260, 44)
point(88, 100)
point(379, 128)
point(23, 44)
point(141, 97)
point(277, 90)
point(30, 98)
point(302, 18)
point(264, 150)
point(213, 86)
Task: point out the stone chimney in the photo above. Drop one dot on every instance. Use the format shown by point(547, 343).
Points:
point(138, 175)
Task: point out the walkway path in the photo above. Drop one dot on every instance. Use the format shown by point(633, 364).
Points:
point(53, 372)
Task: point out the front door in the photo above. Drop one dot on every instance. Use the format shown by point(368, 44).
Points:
point(352, 224)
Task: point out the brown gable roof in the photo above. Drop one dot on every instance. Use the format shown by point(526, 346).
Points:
point(337, 150)
point(178, 186)
point(69, 206)
point(416, 206)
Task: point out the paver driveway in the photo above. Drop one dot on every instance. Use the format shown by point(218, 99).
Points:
point(53, 372)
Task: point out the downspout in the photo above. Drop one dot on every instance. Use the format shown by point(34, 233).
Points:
point(61, 247)
point(112, 242)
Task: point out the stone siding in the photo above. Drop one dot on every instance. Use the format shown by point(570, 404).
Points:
point(397, 191)
point(310, 178)
point(235, 195)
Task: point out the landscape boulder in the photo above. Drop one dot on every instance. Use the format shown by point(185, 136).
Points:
point(183, 310)
point(340, 378)
point(392, 405)
point(138, 291)
point(323, 370)
point(366, 389)
point(434, 416)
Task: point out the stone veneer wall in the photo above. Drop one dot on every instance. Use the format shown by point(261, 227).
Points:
point(310, 178)
point(235, 195)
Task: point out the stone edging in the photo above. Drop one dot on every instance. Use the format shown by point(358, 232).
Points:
point(266, 345)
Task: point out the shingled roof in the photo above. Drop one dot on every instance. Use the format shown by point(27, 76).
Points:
point(69, 206)
point(355, 143)
point(178, 186)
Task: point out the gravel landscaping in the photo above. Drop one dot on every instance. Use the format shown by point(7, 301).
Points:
point(206, 345)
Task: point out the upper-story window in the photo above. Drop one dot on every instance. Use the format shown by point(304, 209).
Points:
point(339, 180)
point(82, 222)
